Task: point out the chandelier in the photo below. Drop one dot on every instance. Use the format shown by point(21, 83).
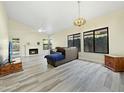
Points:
point(79, 21)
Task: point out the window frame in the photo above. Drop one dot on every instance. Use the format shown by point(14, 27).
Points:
point(94, 40)
point(73, 40)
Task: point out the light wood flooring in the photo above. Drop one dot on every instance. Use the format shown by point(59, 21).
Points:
point(75, 76)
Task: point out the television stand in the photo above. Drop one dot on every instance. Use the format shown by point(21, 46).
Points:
point(115, 63)
point(10, 68)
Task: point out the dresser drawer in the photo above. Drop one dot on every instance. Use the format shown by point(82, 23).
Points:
point(114, 63)
point(18, 66)
point(10, 68)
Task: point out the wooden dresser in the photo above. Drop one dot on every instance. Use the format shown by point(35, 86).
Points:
point(16, 66)
point(115, 63)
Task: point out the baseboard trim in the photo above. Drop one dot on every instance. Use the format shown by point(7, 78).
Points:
point(91, 61)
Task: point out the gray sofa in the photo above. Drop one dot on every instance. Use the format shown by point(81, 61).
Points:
point(70, 54)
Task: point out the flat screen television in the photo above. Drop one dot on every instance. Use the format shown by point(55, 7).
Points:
point(4, 61)
point(10, 52)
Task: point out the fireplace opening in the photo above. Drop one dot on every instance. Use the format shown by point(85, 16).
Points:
point(33, 51)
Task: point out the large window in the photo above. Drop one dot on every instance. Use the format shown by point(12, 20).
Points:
point(47, 44)
point(96, 41)
point(88, 41)
point(74, 41)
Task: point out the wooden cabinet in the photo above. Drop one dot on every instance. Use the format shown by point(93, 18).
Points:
point(115, 63)
point(10, 68)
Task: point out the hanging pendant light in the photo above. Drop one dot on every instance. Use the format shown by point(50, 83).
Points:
point(79, 21)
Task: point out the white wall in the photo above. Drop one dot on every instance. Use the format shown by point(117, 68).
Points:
point(115, 22)
point(26, 34)
point(3, 33)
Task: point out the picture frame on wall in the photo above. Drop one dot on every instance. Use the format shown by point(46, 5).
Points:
point(96, 41)
point(38, 43)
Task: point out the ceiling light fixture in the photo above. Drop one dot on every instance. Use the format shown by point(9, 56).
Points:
point(39, 30)
point(79, 21)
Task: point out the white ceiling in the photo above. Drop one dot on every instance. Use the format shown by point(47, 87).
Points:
point(54, 16)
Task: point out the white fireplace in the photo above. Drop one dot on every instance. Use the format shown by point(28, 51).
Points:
point(34, 49)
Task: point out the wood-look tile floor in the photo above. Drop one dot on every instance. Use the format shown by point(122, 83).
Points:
point(74, 76)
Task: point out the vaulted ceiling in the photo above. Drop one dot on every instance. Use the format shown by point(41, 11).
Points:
point(52, 16)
